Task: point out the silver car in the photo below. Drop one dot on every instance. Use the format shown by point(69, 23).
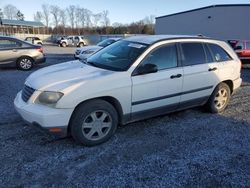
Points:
point(23, 55)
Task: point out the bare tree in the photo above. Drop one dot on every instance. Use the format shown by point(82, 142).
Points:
point(55, 11)
point(149, 20)
point(105, 18)
point(96, 18)
point(78, 16)
point(10, 12)
point(88, 15)
point(82, 18)
point(46, 12)
point(20, 15)
point(38, 16)
point(1, 14)
point(63, 18)
point(71, 13)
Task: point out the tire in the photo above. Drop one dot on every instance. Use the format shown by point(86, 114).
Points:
point(64, 44)
point(93, 122)
point(39, 43)
point(219, 99)
point(25, 63)
point(81, 44)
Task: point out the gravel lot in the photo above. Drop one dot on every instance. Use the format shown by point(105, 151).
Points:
point(190, 148)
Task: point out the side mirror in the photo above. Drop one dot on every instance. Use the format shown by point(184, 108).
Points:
point(146, 69)
point(238, 48)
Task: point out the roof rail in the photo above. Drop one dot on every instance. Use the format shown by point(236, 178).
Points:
point(200, 35)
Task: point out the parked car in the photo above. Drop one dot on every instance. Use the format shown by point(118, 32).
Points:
point(23, 55)
point(34, 40)
point(87, 51)
point(78, 41)
point(242, 48)
point(132, 79)
point(57, 40)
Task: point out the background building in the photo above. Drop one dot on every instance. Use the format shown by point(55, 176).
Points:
point(9, 27)
point(218, 21)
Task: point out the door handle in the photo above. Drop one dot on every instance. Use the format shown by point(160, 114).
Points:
point(176, 76)
point(212, 69)
point(14, 50)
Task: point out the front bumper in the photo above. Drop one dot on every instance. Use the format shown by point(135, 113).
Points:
point(54, 120)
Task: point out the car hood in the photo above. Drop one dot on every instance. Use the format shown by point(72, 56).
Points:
point(62, 76)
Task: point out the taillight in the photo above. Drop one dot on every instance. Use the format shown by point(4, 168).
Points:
point(40, 49)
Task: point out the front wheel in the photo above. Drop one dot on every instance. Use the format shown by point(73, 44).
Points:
point(94, 122)
point(219, 99)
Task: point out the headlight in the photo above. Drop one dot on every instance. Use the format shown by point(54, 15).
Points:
point(88, 52)
point(49, 98)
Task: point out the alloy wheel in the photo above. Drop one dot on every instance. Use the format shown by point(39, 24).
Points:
point(221, 98)
point(25, 63)
point(96, 125)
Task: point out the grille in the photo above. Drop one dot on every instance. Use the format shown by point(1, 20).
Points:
point(27, 92)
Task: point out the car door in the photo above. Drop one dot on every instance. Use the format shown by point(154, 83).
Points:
point(200, 73)
point(70, 41)
point(9, 49)
point(154, 91)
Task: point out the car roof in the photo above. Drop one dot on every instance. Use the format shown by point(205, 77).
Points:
point(6, 37)
point(150, 39)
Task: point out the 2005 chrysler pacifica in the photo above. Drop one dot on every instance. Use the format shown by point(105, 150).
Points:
point(132, 79)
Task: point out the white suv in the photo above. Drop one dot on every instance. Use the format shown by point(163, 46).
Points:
point(132, 79)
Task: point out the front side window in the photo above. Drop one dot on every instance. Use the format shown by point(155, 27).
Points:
point(118, 56)
point(193, 54)
point(164, 57)
point(5, 43)
point(219, 53)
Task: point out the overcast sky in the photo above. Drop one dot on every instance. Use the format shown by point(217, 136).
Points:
point(122, 11)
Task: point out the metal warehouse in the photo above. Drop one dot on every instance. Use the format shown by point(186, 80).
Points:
point(231, 21)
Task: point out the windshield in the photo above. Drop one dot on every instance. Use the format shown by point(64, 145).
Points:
point(118, 56)
point(106, 42)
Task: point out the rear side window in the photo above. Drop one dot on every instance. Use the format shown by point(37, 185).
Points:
point(241, 45)
point(5, 43)
point(163, 57)
point(193, 54)
point(248, 45)
point(219, 53)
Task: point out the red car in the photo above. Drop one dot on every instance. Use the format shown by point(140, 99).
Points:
point(242, 48)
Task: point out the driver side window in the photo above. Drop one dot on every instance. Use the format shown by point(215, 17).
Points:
point(163, 57)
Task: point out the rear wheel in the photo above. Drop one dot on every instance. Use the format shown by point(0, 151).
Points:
point(81, 44)
point(25, 63)
point(94, 122)
point(219, 99)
